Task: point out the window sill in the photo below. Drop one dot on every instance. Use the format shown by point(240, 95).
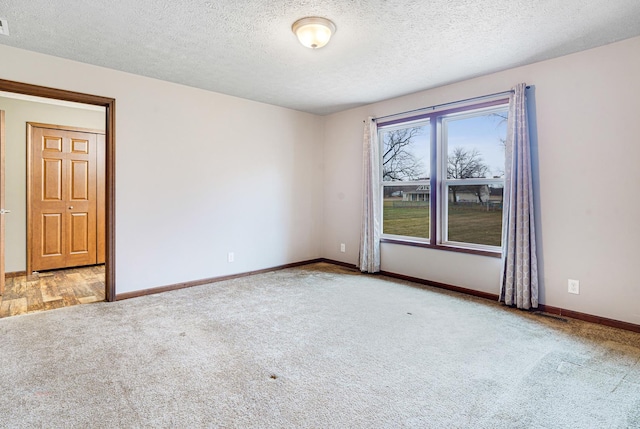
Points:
point(447, 248)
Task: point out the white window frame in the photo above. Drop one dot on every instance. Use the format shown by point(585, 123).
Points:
point(439, 183)
point(383, 183)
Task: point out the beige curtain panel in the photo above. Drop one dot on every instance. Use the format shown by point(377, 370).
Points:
point(519, 281)
point(371, 222)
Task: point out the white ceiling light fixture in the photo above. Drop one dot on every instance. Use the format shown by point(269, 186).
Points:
point(313, 31)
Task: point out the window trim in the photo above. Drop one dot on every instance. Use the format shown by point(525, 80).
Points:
point(387, 238)
point(439, 183)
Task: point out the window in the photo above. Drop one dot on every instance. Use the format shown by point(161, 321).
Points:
point(443, 178)
point(405, 176)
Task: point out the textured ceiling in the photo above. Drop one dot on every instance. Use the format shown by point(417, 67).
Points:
point(382, 49)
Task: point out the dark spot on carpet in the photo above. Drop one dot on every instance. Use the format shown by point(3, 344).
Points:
point(183, 334)
point(410, 314)
point(273, 376)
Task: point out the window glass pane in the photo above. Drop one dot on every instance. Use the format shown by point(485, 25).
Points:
point(475, 214)
point(406, 210)
point(405, 153)
point(475, 145)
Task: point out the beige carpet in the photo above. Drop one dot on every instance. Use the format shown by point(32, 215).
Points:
point(314, 347)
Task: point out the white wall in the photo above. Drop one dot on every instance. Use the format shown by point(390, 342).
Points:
point(198, 174)
point(587, 107)
point(17, 114)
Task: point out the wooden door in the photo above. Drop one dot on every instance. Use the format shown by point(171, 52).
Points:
point(2, 207)
point(63, 198)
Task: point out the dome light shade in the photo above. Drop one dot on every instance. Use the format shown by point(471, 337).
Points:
point(313, 32)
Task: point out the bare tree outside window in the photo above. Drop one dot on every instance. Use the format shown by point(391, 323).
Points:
point(466, 164)
point(502, 121)
point(399, 161)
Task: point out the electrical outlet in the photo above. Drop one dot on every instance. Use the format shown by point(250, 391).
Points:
point(574, 286)
point(4, 27)
point(343, 248)
point(230, 257)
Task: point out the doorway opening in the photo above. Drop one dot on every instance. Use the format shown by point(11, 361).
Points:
point(83, 279)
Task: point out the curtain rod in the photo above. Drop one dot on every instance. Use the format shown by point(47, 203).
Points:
point(448, 104)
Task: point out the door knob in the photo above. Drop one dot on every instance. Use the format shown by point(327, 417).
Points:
point(3, 211)
point(70, 207)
